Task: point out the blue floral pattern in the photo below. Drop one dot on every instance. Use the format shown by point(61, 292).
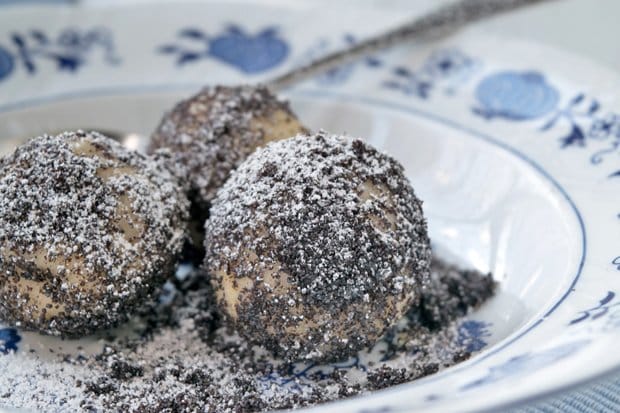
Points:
point(7, 63)
point(515, 96)
point(296, 375)
point(578, 122)
point(599, 310)
point(340, 74)
point(519, 96)
point(577, 111)
point(71, 49)
point(248, 53)
point(586, 124)
point(528, 362)
point(471, 335)
point(9, 337)
point(446, 68)
point(607, 311)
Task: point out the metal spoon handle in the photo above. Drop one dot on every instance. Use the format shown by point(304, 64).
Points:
point(449, 17)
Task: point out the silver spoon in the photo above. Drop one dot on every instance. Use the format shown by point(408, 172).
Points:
point(443, 20)
point(438, 22)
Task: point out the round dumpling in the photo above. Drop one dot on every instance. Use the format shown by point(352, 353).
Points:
point(212, 132)
point(316, 245)
point(88, 232)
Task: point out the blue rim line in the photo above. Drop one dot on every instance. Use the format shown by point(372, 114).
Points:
point(375, 102)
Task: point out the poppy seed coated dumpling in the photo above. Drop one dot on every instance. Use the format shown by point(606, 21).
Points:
point(316, 245)
point(88, 231)
point(212, 132)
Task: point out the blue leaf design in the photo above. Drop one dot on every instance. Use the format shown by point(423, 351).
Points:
point(373, 62)
point(349, 39)
point(579, 319)
point(8, 340)
point(7, 63)
point(168, 49)
point(610, 296)
point(598, 311)
point(39, 36)
point(69, 63)
point(575, 138)
point(530, 361)
point(188, 57)
point(70, 38)
point(193, 33)
point(594, 107)
point(549, 124)
point(598, 156)
point(18, 40)
point(423, 89)
point(471, 335)
point(577, 99)
point(602, 311)
point(615, 175)
point(402, 71)
point(69, 50)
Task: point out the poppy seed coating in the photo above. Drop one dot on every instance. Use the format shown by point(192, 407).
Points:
point(88, 231)
point(316, 245)
point(212, 132)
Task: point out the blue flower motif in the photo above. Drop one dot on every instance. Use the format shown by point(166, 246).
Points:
point(471, 334)
point(447, 68)
point(582, 119)
point(249, 53)
point(70, 50)
point(446, 63)
point(7, 63)
point(578, 110)
point(8, 340)
point(515, 96)
point(605, 127)
point(598, 311)
point(409, 83)
point(340, 74)
point(528, 362)
point(296, 375)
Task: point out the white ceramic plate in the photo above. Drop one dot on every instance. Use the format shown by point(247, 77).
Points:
point(513, 147)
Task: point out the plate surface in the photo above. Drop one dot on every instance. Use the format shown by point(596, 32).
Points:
point(513, 147)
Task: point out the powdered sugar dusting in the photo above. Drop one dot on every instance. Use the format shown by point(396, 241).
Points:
point(214, 131)
point(88, 230)
point(326, 240)
point(185, 360)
